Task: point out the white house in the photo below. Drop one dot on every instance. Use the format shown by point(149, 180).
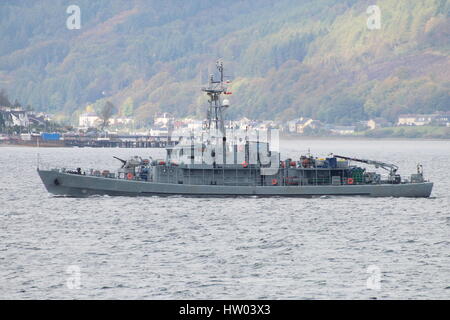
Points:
point(163, 119)
point(414, 119)
point(342, 130)
point(159, 132)
point(121, 121)
point(299, 125)
point(243, 123)
point(88, 120)
point(195, 124)
point(439, 118)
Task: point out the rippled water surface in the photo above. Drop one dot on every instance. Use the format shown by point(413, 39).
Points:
point(232, 248)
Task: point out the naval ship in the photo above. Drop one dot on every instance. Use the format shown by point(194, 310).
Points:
point(219, 161)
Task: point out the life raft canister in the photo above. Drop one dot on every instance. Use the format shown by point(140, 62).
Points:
point(350, 181)
point(245, 164)
point(274, 182)
point(130, 176)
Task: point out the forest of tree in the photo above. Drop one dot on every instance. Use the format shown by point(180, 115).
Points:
point(287, 58)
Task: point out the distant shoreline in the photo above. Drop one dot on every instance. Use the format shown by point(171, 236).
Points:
point(299, 137)
point(282, 138)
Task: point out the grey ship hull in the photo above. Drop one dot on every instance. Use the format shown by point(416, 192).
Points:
point(65, 184)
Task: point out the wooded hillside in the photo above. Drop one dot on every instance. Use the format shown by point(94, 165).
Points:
point(287, 58)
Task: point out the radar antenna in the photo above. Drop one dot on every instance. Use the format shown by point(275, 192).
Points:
point(214, 114)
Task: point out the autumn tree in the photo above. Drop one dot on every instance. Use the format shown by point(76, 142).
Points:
point(2, 123)
point(106, 113)
point(127, 107)
point(4, 100)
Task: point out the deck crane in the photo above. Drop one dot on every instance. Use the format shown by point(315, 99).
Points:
point(378, 164)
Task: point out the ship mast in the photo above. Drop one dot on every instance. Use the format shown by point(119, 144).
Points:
point(214, 118)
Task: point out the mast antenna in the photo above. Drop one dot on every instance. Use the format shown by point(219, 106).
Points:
point(214, 91)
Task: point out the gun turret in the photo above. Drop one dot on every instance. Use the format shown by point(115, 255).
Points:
point(121, 160)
